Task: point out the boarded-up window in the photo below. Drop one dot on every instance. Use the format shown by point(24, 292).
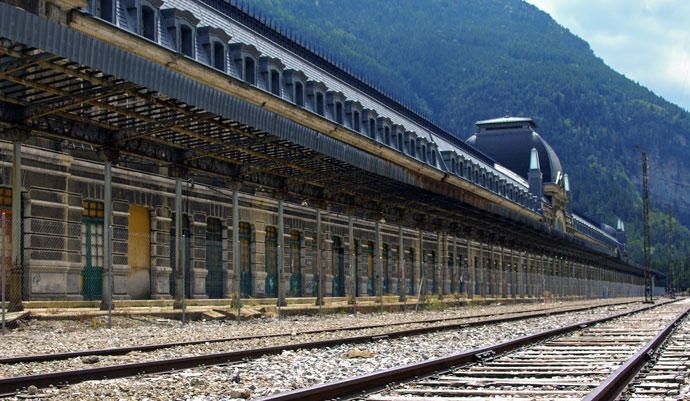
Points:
point(139, 252)
point(139, 249)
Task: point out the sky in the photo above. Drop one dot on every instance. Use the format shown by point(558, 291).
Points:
point(646, 40)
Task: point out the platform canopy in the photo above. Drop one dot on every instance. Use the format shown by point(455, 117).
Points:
point(64, 85)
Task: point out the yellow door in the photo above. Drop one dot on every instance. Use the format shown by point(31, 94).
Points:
point(139, 253)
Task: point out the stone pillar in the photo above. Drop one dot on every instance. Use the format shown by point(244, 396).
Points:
point(520, 277)
point(402, 284)
point(501, 273)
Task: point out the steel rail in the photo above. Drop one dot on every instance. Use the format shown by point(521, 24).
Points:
point(9, 386)
point(154, 347)
point(616, 383)
point(352, 387)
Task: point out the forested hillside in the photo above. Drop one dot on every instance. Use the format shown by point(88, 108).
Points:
point(459, 61)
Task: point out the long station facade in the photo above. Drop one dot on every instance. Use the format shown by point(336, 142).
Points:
point(157, 149)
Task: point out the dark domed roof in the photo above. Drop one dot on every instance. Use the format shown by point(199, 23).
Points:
point(509, 141)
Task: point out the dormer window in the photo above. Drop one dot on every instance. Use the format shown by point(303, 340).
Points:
point(142, 17)
point(299, 94)
point(369, 122)
point(186, 41)
point(433, 156)
point(245, 59)
point(181, 27)
point(218, 59)
point(339, 112)
point(214, 43)
point(249, 70)
point(104, 9)
point(148, 23)
point(275, 82)
point(316, 100)
point(294, 86)
point(372, 128)
point(398, 136)
point(320, 108)
point(387, 135)
point(353, 115)
point(422, 152)
point(271, 70)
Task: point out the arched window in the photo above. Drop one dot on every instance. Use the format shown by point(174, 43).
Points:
point(271, 246)
point(186, 40)
point(275, 82)
point(214, 258)
point(245, 259)
point(372, 128)
point(148, 23)
point(356, 121)
point(413, 148)
point(320, 109)
point(400, 142)
point(387, 135)
point(294, 264)
point(299, 94)
point(249, 71)
point(370, 268)
point(339, 112)
point(219, 56)
point(433, 156)
point(422, 153)
point(452, 165)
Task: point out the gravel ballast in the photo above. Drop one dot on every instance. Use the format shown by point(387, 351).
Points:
point(302, 368)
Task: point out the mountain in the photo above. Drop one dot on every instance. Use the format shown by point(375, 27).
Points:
point(460, 61)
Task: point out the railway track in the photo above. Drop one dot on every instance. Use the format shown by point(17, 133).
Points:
point(461, 320)
point(593, 361)
point(11, 384)
point(663, 374)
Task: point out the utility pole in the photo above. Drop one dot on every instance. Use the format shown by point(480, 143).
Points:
point(648, 294)
point(671, 285)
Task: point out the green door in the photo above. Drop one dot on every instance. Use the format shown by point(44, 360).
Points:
point(214, 259)
point(271, 246)
point(245, 260)
point(92, 258)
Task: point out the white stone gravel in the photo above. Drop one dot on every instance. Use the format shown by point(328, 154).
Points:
point(302, 368)
point(22, 369)
point(52, 336)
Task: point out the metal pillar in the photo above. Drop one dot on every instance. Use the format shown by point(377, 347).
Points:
point(649, 289)
point(319, 264)
point(179, 247)
point(353, 262)
point(378, 261)
point(237, 247)
point(107, 292)
point(501, 275)
point(456, 277)
point(470, 271)
point(279, 253)
point(420, 256)
point(16, 269)
point(402, 285)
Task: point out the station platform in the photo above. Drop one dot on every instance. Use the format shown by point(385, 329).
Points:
point(220, 309)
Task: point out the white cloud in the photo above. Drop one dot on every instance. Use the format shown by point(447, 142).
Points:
point(647, 40)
